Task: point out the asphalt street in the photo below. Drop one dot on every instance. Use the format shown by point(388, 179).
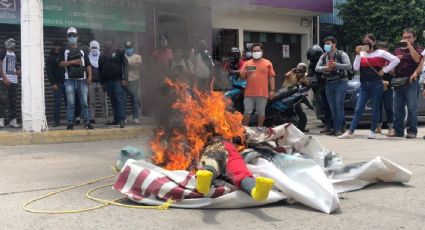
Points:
point(30, 171)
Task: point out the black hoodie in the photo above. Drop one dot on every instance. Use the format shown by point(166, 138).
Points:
point(113, 66)
point(55, 73)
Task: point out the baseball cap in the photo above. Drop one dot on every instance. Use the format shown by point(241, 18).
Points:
point(128, 45)
point(71, 30)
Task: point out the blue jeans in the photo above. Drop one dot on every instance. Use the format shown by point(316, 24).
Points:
point(406, 96)
point(387, 102)
point(82, 89)
point(335, 93)
point(372, 90)
point(115, 92)
point(58, 94)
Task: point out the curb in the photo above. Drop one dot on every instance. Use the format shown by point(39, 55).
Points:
point(66, 136)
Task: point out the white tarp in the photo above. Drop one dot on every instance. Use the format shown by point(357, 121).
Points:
point(308, 174)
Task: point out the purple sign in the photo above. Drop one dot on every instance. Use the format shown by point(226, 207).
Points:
point(325, 6)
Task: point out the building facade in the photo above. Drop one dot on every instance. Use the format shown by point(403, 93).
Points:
point(287, 28)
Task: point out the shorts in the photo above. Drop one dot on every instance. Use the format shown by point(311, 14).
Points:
point(259, 103)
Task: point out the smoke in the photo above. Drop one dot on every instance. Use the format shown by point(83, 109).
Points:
point(169, 44)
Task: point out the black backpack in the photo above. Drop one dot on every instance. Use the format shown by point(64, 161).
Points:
point(338, 56)
point(75, 71)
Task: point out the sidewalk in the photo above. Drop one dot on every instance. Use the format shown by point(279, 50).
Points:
point(57, 135)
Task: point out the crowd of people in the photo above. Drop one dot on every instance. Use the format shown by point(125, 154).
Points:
point(81, 77)
point(389, 81)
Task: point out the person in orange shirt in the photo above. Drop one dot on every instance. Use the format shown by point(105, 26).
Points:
point(259, 74)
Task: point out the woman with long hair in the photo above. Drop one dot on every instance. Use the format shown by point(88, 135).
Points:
point(372, 64)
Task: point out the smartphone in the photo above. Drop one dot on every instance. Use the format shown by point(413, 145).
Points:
point(402, 44)
point(251, 68)
point(297, 71)
point(365, 48)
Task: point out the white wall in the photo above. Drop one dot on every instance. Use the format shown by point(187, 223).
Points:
point(261, 20)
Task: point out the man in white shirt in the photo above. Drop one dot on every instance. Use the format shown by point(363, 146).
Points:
point(9, 70)
point(134, 64)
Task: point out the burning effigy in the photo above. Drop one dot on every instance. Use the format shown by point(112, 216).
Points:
point(210, 160)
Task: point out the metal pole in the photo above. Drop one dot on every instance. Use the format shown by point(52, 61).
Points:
point(318, 30)
point(32, 52)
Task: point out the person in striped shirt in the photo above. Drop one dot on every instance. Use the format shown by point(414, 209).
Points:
point(372, 64)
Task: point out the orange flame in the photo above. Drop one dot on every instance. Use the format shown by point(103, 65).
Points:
point(204, 115)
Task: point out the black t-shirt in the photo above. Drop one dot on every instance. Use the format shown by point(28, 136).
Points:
point(68, 56)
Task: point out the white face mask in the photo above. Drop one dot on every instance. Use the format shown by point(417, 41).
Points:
point(94, 52)
point(257, 55)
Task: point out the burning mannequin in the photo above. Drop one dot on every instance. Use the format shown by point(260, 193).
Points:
point(221, 158)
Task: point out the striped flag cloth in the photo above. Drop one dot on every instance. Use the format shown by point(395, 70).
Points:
point(139, 180)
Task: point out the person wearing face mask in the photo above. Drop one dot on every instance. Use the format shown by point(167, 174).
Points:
point(247, 54)
point(297, 77)
point(9, 71)
point(113, 67)
point(387, 97)
point(95, 88)
point(163, 55)
point(78, 77)
point(334, 65)
point(204, 66)
point(56, 75)
point(260, 87)
point(133, 86)
point(411, 63)
point(372, 64)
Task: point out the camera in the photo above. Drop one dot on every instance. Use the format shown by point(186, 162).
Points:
point(402, 44)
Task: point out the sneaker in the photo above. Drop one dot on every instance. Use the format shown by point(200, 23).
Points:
point(70, 127)
point(346, 135)
point(378, 130)
point(14, 124)
point(326, 130)
point(77, 120)
point(136, 121)
point(411, 136)
point(92, 121)
point(1, 123)
point(390, 132)
point(89, 126)
point(337, 133)
point(371, 135)
point(424, 137)
point(111, 123)
point(394, 134)
point(122, 124)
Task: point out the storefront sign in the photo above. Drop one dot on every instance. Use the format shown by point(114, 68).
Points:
point(118, 15)
point(10, 11)
point(285, 51)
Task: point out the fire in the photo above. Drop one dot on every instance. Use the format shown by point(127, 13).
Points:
point(204, 115)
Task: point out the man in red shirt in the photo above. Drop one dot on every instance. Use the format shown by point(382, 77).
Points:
point(259, 74)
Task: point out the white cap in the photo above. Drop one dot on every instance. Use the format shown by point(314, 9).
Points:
point(71, 30)
point(94, 44)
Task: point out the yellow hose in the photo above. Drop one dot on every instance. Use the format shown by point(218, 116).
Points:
point(103, 202)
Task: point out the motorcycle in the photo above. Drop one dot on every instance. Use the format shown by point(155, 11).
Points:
point(236, 93)
point(281, 109)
